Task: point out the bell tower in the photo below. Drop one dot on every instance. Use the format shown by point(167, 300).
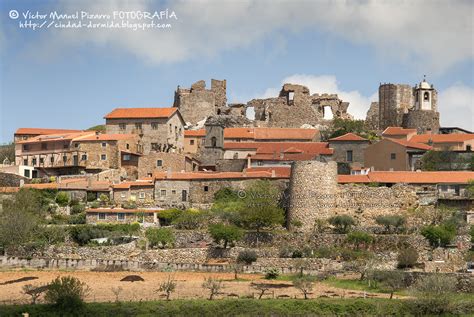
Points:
point(425, 96)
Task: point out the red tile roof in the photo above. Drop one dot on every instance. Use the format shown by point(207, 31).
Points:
point(284, 157)
point(270, 133)
point(106, 137)
point(127, 185)
point(348, 137)
point(239, 133)
point(319, 148)
point(57, 137)
point(214, 175)
point(280, 171)
point(409, 177)
point(125, 113)
point(442, 138)
point(42, 186)
point(121, 210)
point(410, 144)
point(9, 189)
point(39, 131)
point(398, 131)
point(195, 133)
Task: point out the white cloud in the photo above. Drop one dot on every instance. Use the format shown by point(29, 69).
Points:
point(432, 35)
point(455, 105)
point(359, 104)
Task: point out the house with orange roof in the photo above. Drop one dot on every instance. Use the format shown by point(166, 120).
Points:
point(193, 140)
point(22, 134)
point(122, 215)
point(349, 149)
point(398, 133)
point(446, 142)
point(159, 129)
point(270, 135)
point(394, 155)
point(140, 192)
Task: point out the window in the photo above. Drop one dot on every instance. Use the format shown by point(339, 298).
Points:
point(173, 192)
point(468, 148)
point(154, 126)
point(155, 147)
point(44, 146)
point(349, 156)
point(25, 162)
point(184, 195)
point(33, 162)
point(104, 144)
point(120, 216)
point(393, 156)
point(84, 157)
point(141, 195)
point(163, 193)
point(171, 128)
point(191, 142)
point(25, 137)
point(27, 173)
point(26, 147)
point(126, 157)
point(51, 159)
point(76, 145)
point(41, 160)
point(65, 145)
point(123, 195)
point(159, 163)
point(103, 157)
point(206, 188)
point(138, 126)
point(426, 96)
point(101, 216)
point(64, 158)
point(128, 146)
point(122, 126)
point(213, 141)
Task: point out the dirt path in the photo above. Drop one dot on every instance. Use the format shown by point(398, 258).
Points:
point(188, 285)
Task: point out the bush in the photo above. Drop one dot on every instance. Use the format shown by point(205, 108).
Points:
point(246, 257)
point(190, 219)
point(67, 293)
point(168, 216)
point(342, 223)
point(95, 204)
point(62, 199)
point(77, 209)
point(359, 238)
point(82, 234)
point(407, 258)
point(129, 205)
point(160, 237)
point(271, 273)
point(304, 284)
point(225, 233)
point(434, 295)
point(77, 219)
point(91, 196)
point(438, 236)
point(392, 223)
point(104, 199)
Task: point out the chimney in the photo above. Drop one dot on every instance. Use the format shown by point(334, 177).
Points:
point(273, 174)
point(281, 154)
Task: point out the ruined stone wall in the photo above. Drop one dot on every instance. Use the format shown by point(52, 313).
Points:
point(394, 101)
point(232, 165)
point(148, 164)
point(372, 117)
point(424, 121)
point(12, 180)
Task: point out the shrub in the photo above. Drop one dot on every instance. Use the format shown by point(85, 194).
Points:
point(167, 287)
point(129, 205)
point(104, 199)
point(77, 209)
point(213, 285)
point(77, 219)
point(407, 258)
point(168, 216)
point(392, 223)
point(225, 233)
point(190, 219)
point(160, 237)
point(325, 252)
point(91, 196)
point(62, 199)
point(246, 257)
point(304, 284)
point(67, 293)
point(359, 238)
point(434, 295)
point(438, 236)
point(392, 280)
point(271, 273)
point(95, 204)
point(342, 223)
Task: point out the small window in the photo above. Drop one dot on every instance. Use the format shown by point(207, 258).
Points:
point(349, 156)
point(44, 146)
point(393, 156)
point(33, 162)
point(122, 126)
point(426, 96)
point(154, 147)
point(206, 188)
point(141, 195)
point(65, 145)
point(76, 145)
point(26, 147)
point(51, 159)
point(101, 216)
point(138, 126)
point(163, 193)
point(103, 157)
point(41, 160)
point(468, 148)
point(25, 162)
point(27, 173)
point(213, 141)
point(123, 195)
point(104, 144)
point(184, 195)
point(120, 216)
point(128, 146)
point(154, 126)
point(173, 192)
point(171, 128)
point(191, 142)
point(126, 157)
point(84, 157)
point(159, 163)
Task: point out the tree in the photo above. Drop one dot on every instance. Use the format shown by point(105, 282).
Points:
point(261, 287)
point(34, 291)
point(62, 199)
point(213, 285)
point(393, 280)
point(167, 287)
point(27, 200)
point(392, 223)
point(407, 258)
point(190, 219)
point(225, 233)
point(359, 238)
point(247, 257)
point(470, 187)
point(17, 228)
point(304, 284)
point(67, 293)
point(260, 207)
point(342, 223)
point(116, 291)
point(7, 151)
point(438, 236)
point(434, 294)
point(160, 237)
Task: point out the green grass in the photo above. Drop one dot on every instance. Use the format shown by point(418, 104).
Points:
point(238, 307)
point(360, 285)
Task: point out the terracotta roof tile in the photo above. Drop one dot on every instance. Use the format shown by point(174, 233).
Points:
point(42, 186)
point(121, 210)
point(348, 137)
point(213, 175)
point(442, 138)
point(127, 185)
point(352, 179)
point(284, 157)
point(280, 171)
point(57, 137)
point(39, 131)
point(409, 177)
point(398, 131)
point(9, 189)
point(410, 144)
point(124, 113)
point(195, 133)
point(239, 133)
point(270, 133)
point(320, 148)
point(105, 137)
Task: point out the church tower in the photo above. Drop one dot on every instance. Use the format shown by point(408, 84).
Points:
point(425, 96)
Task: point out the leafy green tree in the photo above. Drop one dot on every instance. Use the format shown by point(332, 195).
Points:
point(225, 233)
point(160, 237)
point(213, 285)
point(27, 200)
point(62, 199)
point(470, 187)
point(392, 223)
point(407, 258)
point(168, 216)
point(434, 295)
point(18, 228)
point(392, 280)
point(304, 284)
point(7, 151)
point(247, 257)
point(359, 238)
point(67, 293)
point(342, 223)
point(168, 287)
point(190, 219)
point(260, 207)
point(99, 128)
point(439, 236)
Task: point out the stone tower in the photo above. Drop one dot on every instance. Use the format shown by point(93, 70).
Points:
point(213, 149)
point(313, 190)
point(394, 101)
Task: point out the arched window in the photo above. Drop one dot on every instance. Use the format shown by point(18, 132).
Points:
point(426, 96)
point(213, 141)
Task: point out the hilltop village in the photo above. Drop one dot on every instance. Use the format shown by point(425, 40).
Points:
point(379, 186)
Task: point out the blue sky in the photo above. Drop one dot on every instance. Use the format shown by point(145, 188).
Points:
point(70, 78)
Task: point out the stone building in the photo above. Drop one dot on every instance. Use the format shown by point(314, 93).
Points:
point(193, 140)
point(141, 192)
point(394, 155)
point(213, 148)
point(446, 142)
point(401, 105)
point(295, 107)
point(120, 215)
point(197, 103)
point(349, 148)
point(162, 161)
point(22, 134)
point(159, 129)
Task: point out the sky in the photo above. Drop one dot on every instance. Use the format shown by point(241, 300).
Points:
point(55, 76)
